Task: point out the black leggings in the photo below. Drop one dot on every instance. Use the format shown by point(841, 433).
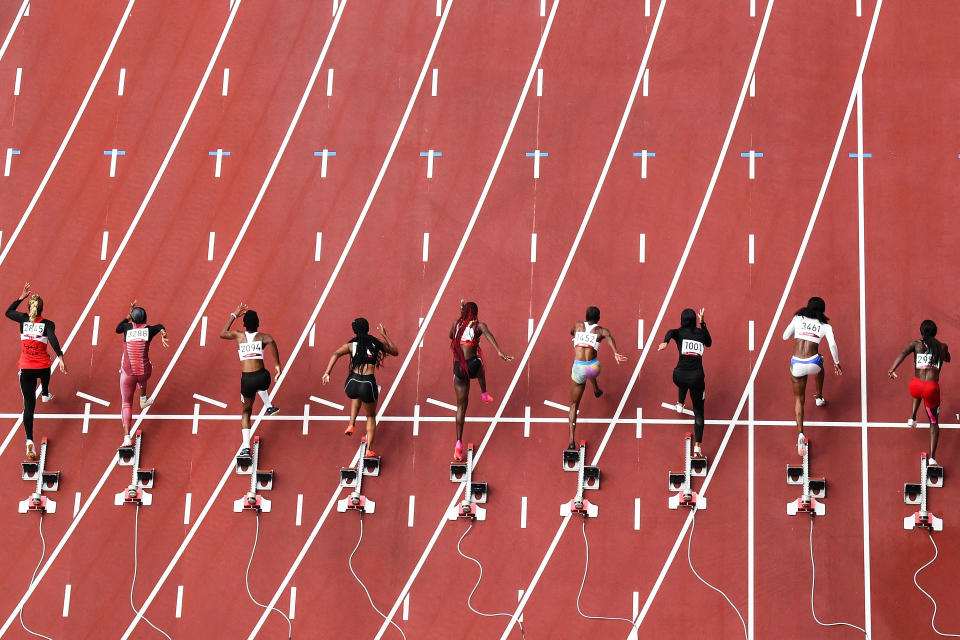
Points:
point(692, 380)
point(28, 387)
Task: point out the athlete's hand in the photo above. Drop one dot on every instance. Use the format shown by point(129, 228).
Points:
point(326, 378)
point(133, 304)
point(382, 331)
point(619, 357)
point(163, 339)
point(241, 309)
point(892, 374)
point(837, 369)
point(277, 369)
point(26, 291)
point(505, 356)
point(661, 346)
point(700, 315)
point(63, 365)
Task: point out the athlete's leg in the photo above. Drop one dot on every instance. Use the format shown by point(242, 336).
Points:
point(576, 393)
point(934, 415)
point(799, 390)
point(371, 410)
point(819, 385)
point(128, 385)
point(462, 389)
point(28, 385)
point(45, 381)
point(697, 392)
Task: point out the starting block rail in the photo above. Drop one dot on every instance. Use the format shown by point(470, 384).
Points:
point(46, 480)
point(588, 477)
point(353, 479)
point(473, 492)
point(259, 479)
point(813, 488)
point(682, 483)
point(916, 493)
point(140, 479)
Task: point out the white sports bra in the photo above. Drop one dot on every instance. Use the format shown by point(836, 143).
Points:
point(251, 349)
point(586, 338)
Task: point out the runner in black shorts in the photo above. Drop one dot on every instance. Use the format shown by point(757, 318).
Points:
point(366, 355)
point(688, 374)
point(468, 363)
point(254, 378)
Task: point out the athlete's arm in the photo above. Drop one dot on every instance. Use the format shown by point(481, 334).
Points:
point(124, 325)
point(573, 329)
point(946, 352)
point(49, 330)
point(485, 330)
point(272, 344)
point(342, 351)
point(828, 334)
point(907, 350)
point(229, 334)
point(619, 357)
point(788, 332)
point(12, 313)
point(388, 345)
point(671, 334)
point(707, 340)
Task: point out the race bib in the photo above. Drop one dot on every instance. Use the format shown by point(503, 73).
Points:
point(691, 348)
point(925, 361)
point(584, 339)
point(138, 335)
point(32, 329)
point(251, 349)
point(810, 328)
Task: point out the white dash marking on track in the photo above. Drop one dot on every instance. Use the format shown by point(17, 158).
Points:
point(299, 520)
point(329, 82)
point(646, 83)
point(753, 14)
point(293, 603)
point(6, 164)
point(179, 612)
point(444, 405)
point(87, 396)
point(859, 9)
point(646, 14)
point(96, 330)
point(439, 7)
point(639, 422)
point(416, 419)
point(526, 422)
point(556, 405)
point(66, 601)
point(196, 418)
point(636, 527)
point(640, 334)
point(113, 163)
point(433, 85)
point(539, 83)
point(16, 81)
point(186, 508)
point(410, 512)
point(426, 246)
point(306, 419)
point(86, 417)
point(203, 331)
point(226, 80)
point(753, 85)
point(213, 236)
point(312, 338)
point(750, 345)
point(533, 247)
point(216, 403)
point(519, 598)
point(316, 252)
point(219, 163)
point(643, 248)
point(636, 604)
point(122, 81)
point(543, 8)
point(336, 5)
point(26, 11)
point(103, 245)
point(327, 403)
point(523, 512)
point(76, 504)
point(750, 244)
point(406, 606)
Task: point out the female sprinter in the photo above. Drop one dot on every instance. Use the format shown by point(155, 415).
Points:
point(467, 363)
point(135, 366)
point(808, 327)
point(366, 354)
point(586, 337)
point(35, 334)
point(254, 377)
point(929, 354)
point(688, 374)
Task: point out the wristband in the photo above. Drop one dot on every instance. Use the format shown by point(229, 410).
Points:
point(235, 316)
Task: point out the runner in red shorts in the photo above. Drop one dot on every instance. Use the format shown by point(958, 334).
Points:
point(929, 354)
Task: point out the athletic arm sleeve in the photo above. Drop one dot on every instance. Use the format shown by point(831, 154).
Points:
point(828, 334)
point(50, 331)
point(946, 356)
point(13, 314)
point(788, 332)
point(672, 334)
point(124, 326)
point(707, 341)
point(154, 329)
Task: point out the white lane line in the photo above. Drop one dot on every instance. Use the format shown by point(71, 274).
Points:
point(433, 86)
point(327, 403)
point(122, 80)
point(96, 330)
point(533, 247)
point(66, 601)
point(753, 85)
point(179, 612)
point(186, 508)
point(750, 243)
point(313, 336)
point(410, 511)
point(24, 11)
point(530, 327)
point(636, 526)
point(104, 244)
point(643, 248)
point(426, 246)
point(329, 82)
point(70, 130)
point(16, 81)
point(299, 518)
point(556, 405)
point(445, 405)
point(865, 477)
point(316, 252)
point(203, 331)
point(646, 83)
point(669, 294)
point(523, 512)
point(751, 497)
point(213, 237)
point(216, 403)
point(87, 396)
point(776, 318)
point(539, 83)
point(293, 603)
point(226, 80)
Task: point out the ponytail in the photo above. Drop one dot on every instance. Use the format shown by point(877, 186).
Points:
point(361, 328)
point(35, 307)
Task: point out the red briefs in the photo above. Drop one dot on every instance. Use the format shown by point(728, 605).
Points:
point(929, 390)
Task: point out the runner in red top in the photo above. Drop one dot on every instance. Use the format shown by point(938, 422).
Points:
point(35, 334)
point(135, 366)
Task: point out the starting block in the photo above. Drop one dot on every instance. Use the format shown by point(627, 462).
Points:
point(353, 479)
point(916, 493)
point(587, 478)
point(46, 480)
point(140, 479)
point(259, 480)
point(813, 488)
point(681, 482)
point(473, 492)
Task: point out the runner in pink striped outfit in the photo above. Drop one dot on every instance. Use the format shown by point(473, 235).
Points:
point(135, 366)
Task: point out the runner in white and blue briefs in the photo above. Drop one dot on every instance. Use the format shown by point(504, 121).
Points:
point(586, 366)
point(808, 327)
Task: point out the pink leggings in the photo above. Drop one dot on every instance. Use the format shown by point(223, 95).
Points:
point(128, 384)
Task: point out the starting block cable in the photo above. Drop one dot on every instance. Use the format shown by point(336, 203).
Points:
point(43, 553)
point(693, 523)
point(586, 566)
point(246, 579)
point(136, 530)
point(357, 578)
point(933, 617)
point(474, 590)
point(813, 582)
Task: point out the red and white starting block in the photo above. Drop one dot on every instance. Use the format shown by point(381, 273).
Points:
point(260, 480)
point(682, 482)
point(587, 478)
point(474, 493)
point(140, 479)
point(46, 481)
point(813, 488)
point(353, 479)
point(916, 493)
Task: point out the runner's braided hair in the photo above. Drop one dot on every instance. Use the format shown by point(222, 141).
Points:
point(468, 317)
point(35, 307)
point(814, 309)
point(365, 342)
point(928, 329)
